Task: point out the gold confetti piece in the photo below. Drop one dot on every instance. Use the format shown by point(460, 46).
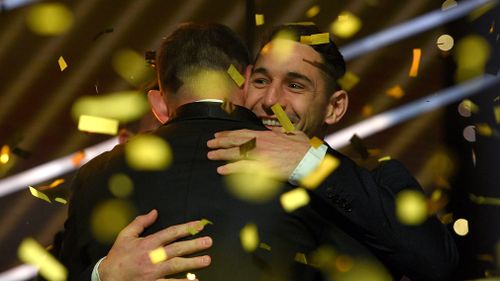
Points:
point(417, 54)
point(326, 167)
point(157, 255)
point(483, 200)
point(301, 258)
point(197, 229)
point(109, 218)
point(313, 11)
point(367, 111)
point(346, 25)
point(4, 154)
point(228, 106)
point(348, 81)
point(358, 145)
point(209, 84)
point(148, 152)
point(395, 92)
point(236, 75)
point(249, 237)
point(305, 23)
point(483, 9)
point(315, 142)
point(39, 194)
point(33, 253)
point(78, 158)
point(61, 200)
point(265, 246)
point(446, 218)
point(471, 54)
point(484, 129)
point(385, 158)
point(496, 111)
point(486, 258)
point(247, 147)
point(294, 199)
point(130, 65)
point(191, 276)
point(316, 39)
point(120, 185)
point(445, 42)
point(411, 207)
point(448, 4)
point(461, 227)
point(281, 47)
point(436, 195)
point(49, 19)
point(56, 183)
point(255, 182)
point(492, 27)
point(259, 19)
point(282, 118)
point(62, 63)
point(470, 106)
point(99, 125)
point(374, 152)
point(344, 263)
point(124, 106)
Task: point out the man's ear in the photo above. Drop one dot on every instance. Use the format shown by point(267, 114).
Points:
point(158, 105)
point(337, 107)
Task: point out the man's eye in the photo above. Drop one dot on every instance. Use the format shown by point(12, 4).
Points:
point(259, 81)
point(295, 86)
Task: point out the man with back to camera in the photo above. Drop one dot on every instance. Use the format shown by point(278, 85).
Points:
point(359, 203)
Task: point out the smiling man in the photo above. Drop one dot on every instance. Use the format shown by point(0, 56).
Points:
point(302, 79)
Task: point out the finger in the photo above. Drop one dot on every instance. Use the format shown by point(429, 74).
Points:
point(234, 167)
point(227, 141)
point(179, 249)
point(175, 232)
point(177, 279)
point(242, 133)
point(228, 154)
point(137, 226)
point(178, 264)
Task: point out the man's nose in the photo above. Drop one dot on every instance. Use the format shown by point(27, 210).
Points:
point(273, 96)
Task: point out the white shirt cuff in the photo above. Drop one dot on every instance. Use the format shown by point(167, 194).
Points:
point(95, 271)
point(309, 163)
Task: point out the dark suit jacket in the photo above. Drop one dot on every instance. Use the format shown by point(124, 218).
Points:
point(352, 210)
point(188, 189)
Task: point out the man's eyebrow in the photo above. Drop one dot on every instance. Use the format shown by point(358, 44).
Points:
point(260, 70)
point(298, 75)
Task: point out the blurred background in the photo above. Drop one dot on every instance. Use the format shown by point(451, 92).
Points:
point(55, 55)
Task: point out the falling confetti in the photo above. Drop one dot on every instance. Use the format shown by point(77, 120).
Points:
point(120, 185)
point(61, 200)
point(483, 200)
point(49, 19)
point(315, 142)
point(496, 112)
point(99, 125)
point(282, 118)
point(247, 147)
point(4, 154)
point(461, 227)
point(109, 218)
point(77, 158)
point(62, 63)
point(157, 255)
point(236, 75)
point(33, 253)
point(131, 66)
point(326, 167)
point(417, 54)
point(265, 246)
point(190, 276)
point(367, 111)
point(411, 207)
point(484, 129)
point(281, 47)
point(483, 9)
point(294, 199)
point(39, 194)
point(148, 152)
point(255, 182)
point(259, 19)
point(445, 42)
point(348, 81)
point(358, 145)
point(249, 237)
point(471, 54)
point(385, 158)
point(448, 4)
point(313, 11)
point(316, 39)
point(301, 258)
point(346, 25)
point(395, 92)
point(199, 226)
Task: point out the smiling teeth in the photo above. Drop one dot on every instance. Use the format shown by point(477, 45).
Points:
point(271, 122)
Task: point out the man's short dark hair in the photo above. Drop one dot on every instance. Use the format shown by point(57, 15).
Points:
point(199, 46)
point(333, 64)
